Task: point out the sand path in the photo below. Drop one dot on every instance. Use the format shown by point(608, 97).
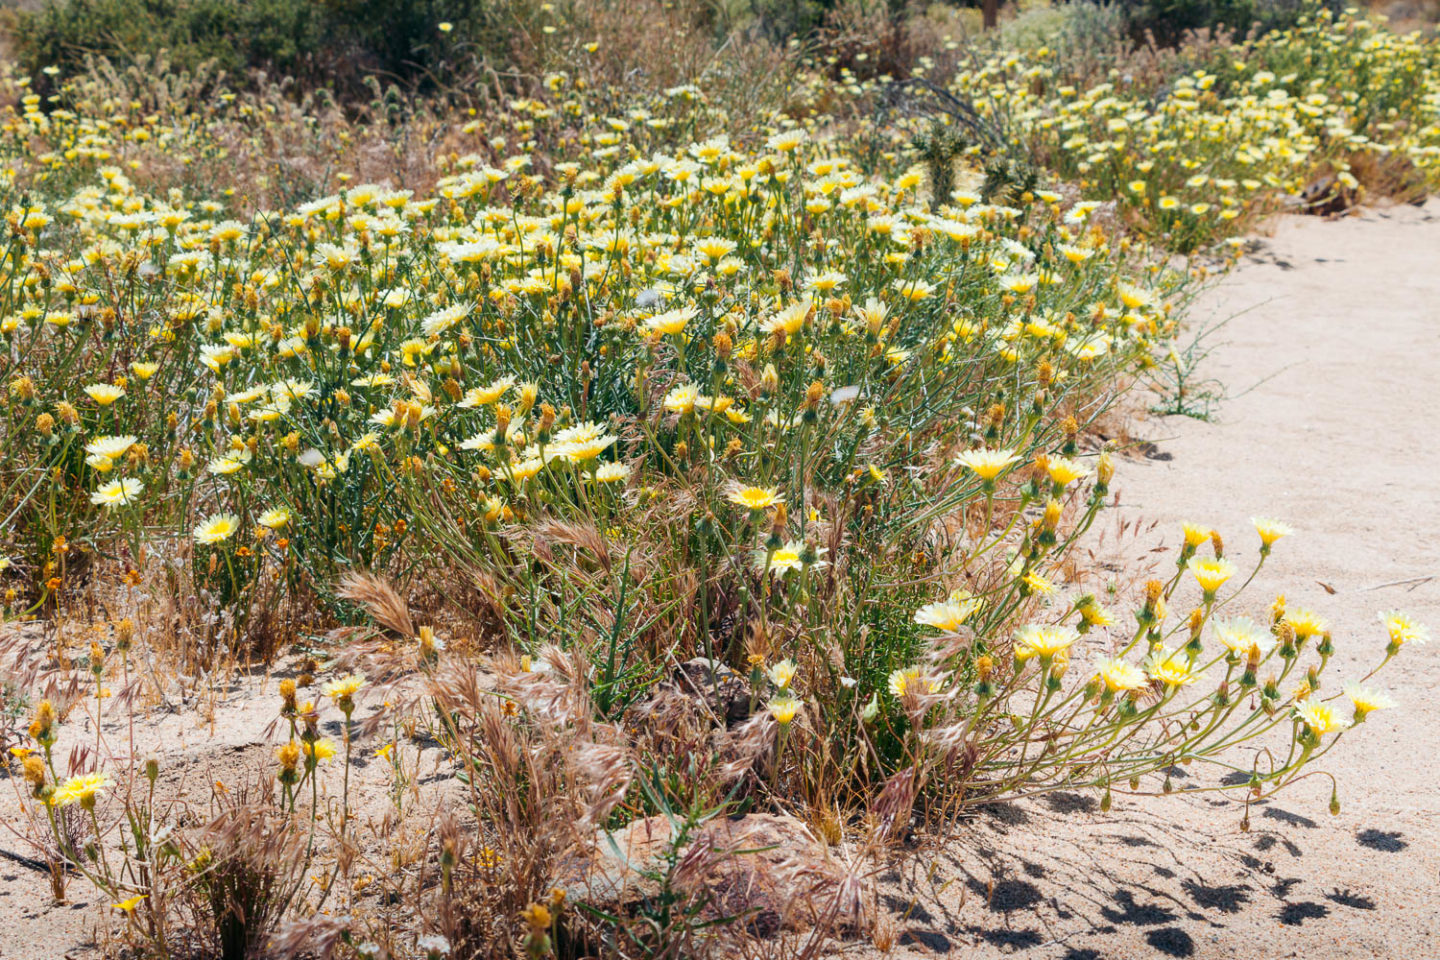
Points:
point(1341, 441)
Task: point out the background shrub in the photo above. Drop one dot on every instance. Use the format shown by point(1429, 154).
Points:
point(1167, 22)
point(285, 34)
point(330, 43)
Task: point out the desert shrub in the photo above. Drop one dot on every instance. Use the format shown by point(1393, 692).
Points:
point(741, 421)
point(1168, 22)
point(334, 44)
point(282, 34)
point(1196, 148)
point(781, 20)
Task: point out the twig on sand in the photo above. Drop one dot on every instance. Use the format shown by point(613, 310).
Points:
point(1412, 582)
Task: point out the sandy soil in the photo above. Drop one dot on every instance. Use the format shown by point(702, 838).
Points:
point(210, 743)
point(1340, 441)
point(1344, 321)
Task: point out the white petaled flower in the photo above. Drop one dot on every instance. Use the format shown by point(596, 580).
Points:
point(276, 519)
point(117, 493)
point(217, 529)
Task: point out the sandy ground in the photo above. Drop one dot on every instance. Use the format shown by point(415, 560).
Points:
point(1341, 322)
point(1340, 441)
point(212, 742)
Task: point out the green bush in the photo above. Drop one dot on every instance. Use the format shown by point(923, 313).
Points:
point(1166, 22)
point(329, 43)
point(282, 33)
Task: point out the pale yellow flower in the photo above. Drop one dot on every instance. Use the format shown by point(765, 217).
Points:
point(216, 529)
point(671, 322)
point(275, 519)
point(1065, 472)
point(782, 673)
point(911, 679)
point(105, 393)
point(1403, 628)
point(83, 789)
point(1270, 530)
point(1119, 676)
point(1319, 718)
point(117, 493)
point(753, 498)
point(1210, 573)
point(987, 464)
point(1043, 641)
point(949, 614)
point(784, 709)
point(346, 686)
point(1367, 700)
point(1170, 667)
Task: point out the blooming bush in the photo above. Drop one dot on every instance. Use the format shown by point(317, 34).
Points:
point(619, 386)
point(1201, 157)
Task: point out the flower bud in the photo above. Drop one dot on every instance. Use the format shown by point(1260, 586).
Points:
point(769, 379)
point(124, 634)
point(42, 727)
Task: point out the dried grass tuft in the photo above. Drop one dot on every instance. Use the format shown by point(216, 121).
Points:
point(385, 606)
